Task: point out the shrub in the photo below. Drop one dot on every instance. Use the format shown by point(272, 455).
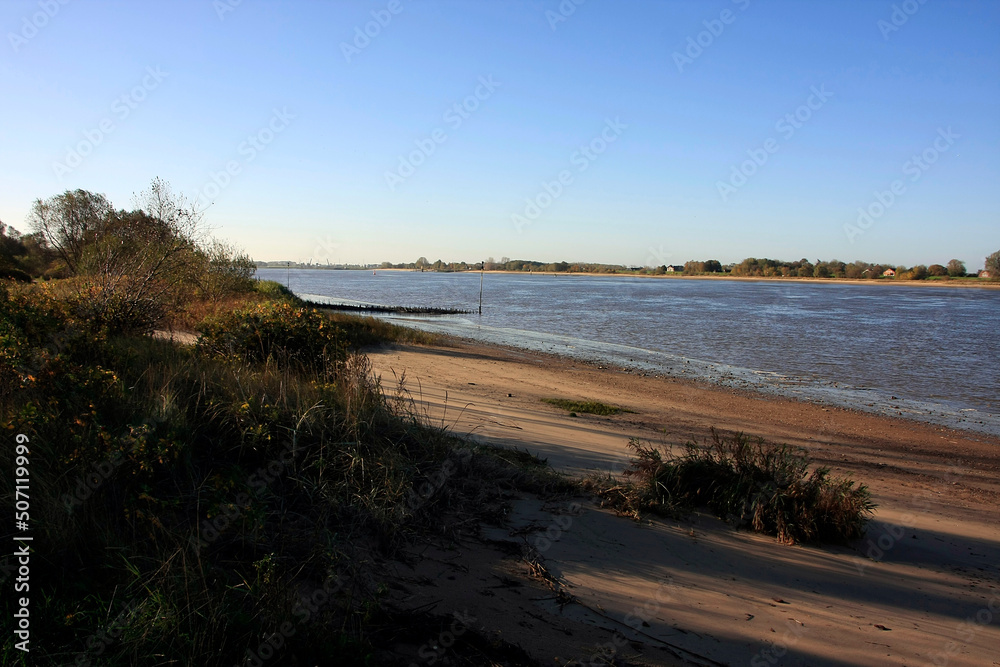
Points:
point(754, 483)
point(275, 291)
point(187, 504)
point(277, 331)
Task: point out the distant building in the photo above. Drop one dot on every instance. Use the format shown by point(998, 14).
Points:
point(889, 273)
point(984, 274)
point(674, 269)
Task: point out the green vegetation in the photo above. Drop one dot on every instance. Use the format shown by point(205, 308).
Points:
point(587, 407)
point(191, 498)
point(751, 267)
point(128, 269)
point(751, 483)
point(993, 265)
point(189, 502)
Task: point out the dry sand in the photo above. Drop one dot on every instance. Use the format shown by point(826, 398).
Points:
point(923, 588)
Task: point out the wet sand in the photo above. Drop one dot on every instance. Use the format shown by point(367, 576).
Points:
point(922, 588)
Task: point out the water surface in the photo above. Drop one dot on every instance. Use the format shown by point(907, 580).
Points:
point(930, 353)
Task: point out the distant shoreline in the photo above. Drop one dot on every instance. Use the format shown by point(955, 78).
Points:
point(978, 283)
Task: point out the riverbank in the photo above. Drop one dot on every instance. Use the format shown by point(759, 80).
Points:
point(898, 597)
point(960, 282)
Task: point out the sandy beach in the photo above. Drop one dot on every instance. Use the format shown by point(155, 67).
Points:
point(923, 587)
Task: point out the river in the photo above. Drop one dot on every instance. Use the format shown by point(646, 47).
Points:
point(927, 353)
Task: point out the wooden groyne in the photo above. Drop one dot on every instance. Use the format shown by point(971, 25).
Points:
point(402, 310)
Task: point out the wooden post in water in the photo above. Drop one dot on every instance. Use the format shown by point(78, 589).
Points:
point(481, 272)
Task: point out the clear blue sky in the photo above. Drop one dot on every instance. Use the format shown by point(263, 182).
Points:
point(682, 119)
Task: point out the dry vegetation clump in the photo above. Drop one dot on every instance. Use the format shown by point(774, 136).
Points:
point(751, 483)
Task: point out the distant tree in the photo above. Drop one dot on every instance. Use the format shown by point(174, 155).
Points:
point(806, 269)
point(694, 268)
point(821, 270)
point(937, 270)
point(421, 263)
point(856, 270)
point(713, 266)
point(919, 272)
point(956, 268)
point(993, 265)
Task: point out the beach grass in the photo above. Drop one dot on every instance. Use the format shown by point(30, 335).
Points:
point(750, 482)
point(586, 407)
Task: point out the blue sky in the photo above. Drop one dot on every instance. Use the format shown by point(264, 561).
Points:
point(680, 130)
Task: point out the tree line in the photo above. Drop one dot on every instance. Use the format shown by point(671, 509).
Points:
point(858, 270)
point(749, 267)
point(125, 267)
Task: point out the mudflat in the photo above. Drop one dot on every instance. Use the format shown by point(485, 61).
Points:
point(922, 588)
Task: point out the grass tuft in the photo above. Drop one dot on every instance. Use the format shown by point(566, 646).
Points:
point(751, 483)
point(587, 407)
